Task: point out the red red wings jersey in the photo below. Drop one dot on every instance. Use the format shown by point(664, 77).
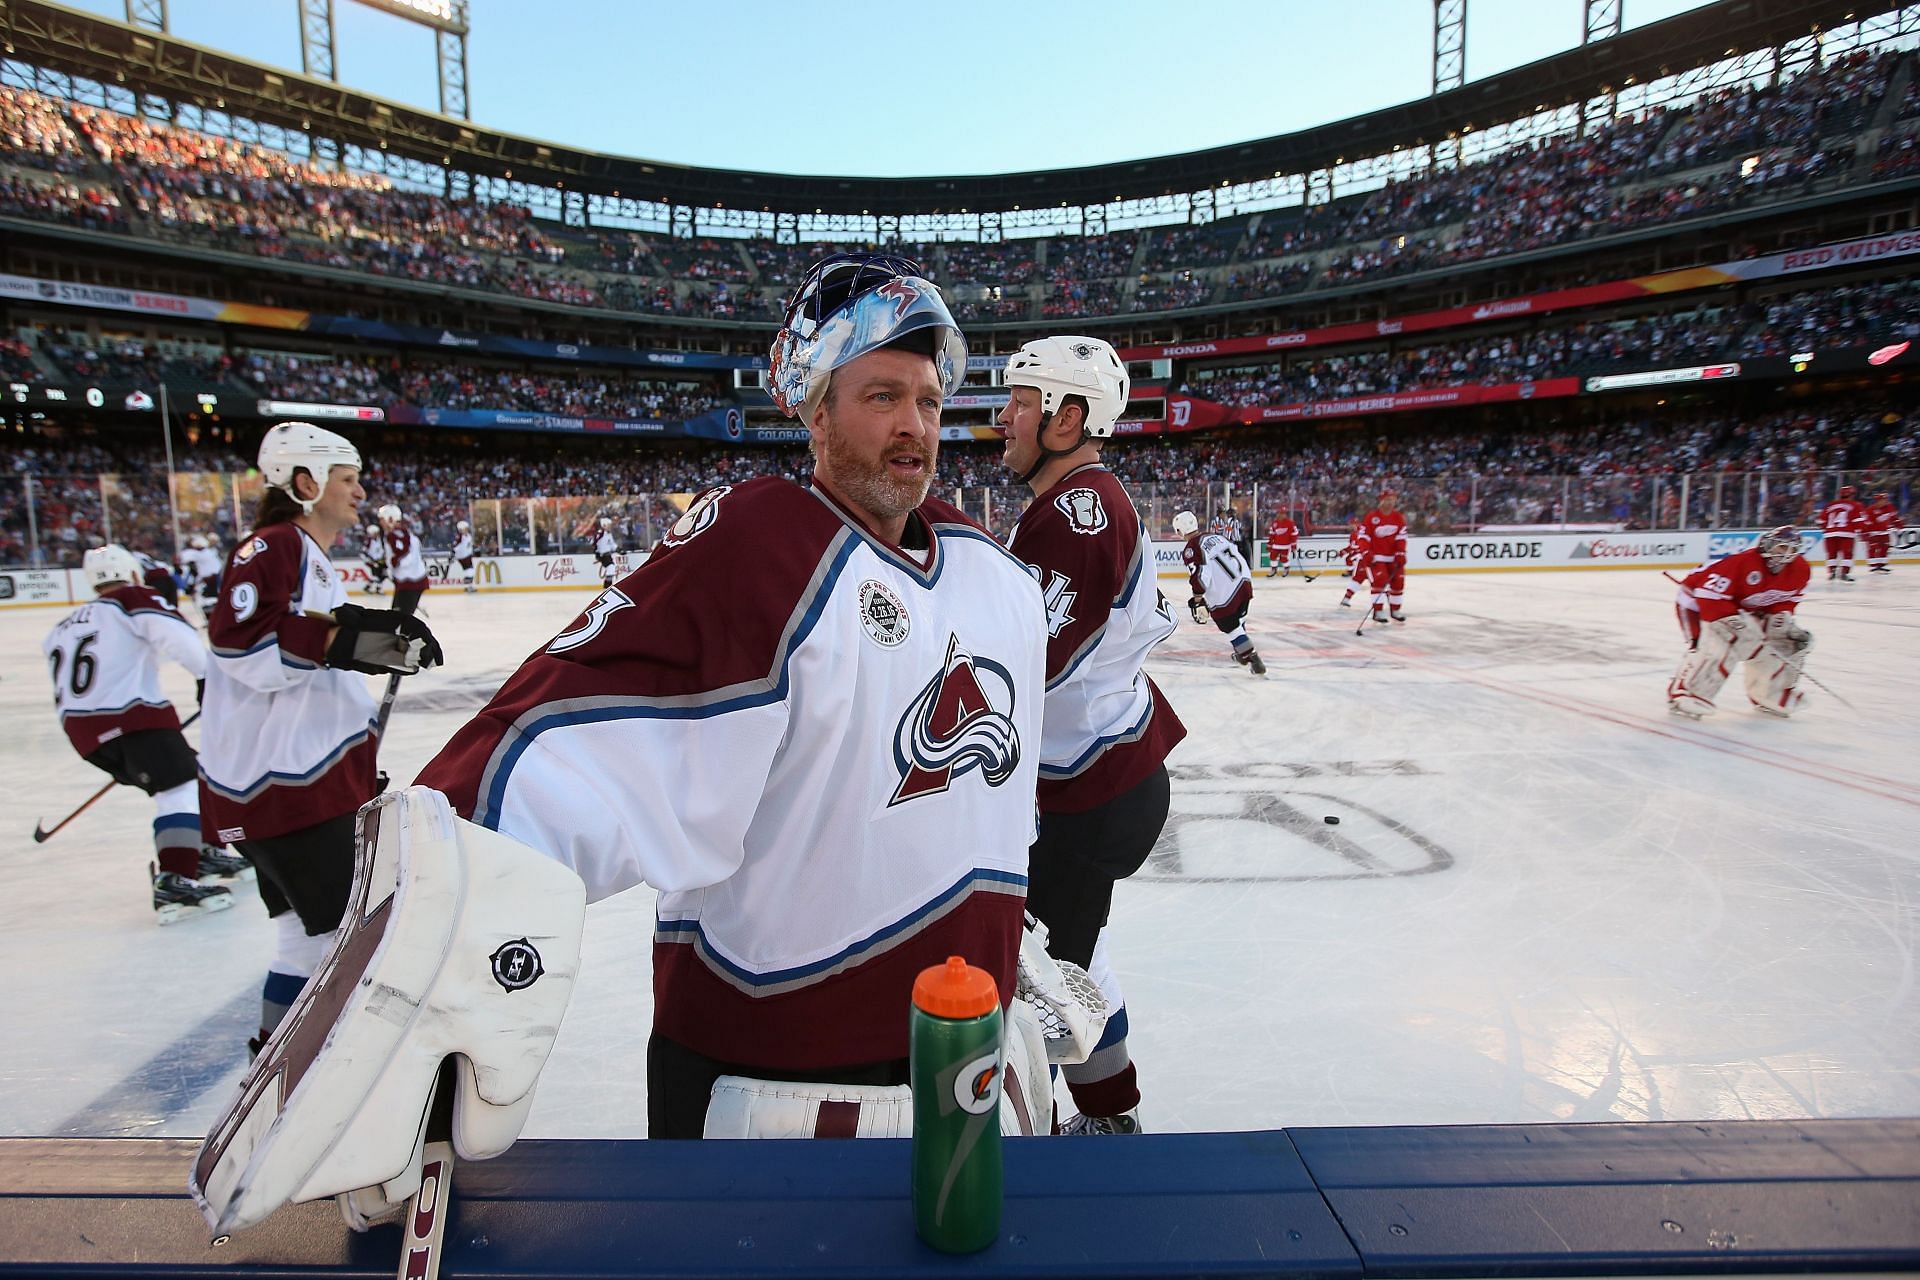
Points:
point(408, 566)
point(818, 747)
point(1386, 534)
point(1283, 533)
point(1742, 581)
point(1843, 515)
point(1882, 517)
point(103, 660)
point(1107, 724)
point(286, 741)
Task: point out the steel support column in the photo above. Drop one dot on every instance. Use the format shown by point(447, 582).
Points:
point(1449, 66)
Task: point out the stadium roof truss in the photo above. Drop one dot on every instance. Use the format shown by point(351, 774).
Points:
point(131, 67)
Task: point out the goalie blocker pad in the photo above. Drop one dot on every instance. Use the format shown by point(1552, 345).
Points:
point(457, 941)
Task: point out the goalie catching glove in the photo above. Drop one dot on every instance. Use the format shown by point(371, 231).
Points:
point(459, 943)
point(381, 642)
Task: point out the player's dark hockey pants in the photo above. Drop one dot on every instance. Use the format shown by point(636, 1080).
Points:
point(407, 599)
point(309, 871)
point(1079, 857)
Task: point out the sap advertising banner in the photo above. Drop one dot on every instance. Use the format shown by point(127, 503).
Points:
point(1510, 552)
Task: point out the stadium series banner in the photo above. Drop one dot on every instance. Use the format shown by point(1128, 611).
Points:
point(99, 297)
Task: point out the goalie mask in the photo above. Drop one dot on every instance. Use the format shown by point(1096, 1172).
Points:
point(1779, 547)
point(850, 304)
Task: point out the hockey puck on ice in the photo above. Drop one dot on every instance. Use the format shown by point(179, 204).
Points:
point(1331, 821)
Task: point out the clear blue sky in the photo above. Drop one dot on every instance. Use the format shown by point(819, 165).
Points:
point(881, 88)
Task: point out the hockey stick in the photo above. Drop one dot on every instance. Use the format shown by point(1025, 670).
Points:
point(386, 705)
point(43, 834)
point(424, 1222)
point(1814, 680)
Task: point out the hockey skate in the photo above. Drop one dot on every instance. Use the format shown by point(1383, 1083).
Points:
point(217, 866)
point(1399, 615)
point(1380, 615)
point(1346, 601)
point(1120, 1126)
point(1273, 573)
point(1250, 659)
point(177, 898)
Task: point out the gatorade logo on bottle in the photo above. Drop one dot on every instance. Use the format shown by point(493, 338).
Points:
point(976, 1086)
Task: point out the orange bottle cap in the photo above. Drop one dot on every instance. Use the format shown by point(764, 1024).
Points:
point(955, 990)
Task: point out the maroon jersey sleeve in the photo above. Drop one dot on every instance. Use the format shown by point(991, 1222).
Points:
point(680, 627)
point(1081, 538)
point(1190, 556)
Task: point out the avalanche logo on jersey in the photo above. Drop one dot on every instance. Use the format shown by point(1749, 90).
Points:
point(1083, 511)
point(699, 517)
point(951, 728)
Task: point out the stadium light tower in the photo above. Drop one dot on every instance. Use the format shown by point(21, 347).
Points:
point(152, 15)
point(1449, 66)
point(1602, 23)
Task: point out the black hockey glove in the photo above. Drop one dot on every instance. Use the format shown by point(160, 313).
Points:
point(1198, 608)
point(381, 641)
point(199, 693)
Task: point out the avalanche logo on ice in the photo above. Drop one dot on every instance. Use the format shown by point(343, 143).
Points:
point(516, 965)
point(951, 728)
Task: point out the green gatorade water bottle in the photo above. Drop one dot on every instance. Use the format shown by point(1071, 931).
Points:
point(956, 1058)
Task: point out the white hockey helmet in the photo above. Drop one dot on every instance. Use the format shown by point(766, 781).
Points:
point(390, 514)
point(852, 303)
point(301, 446)
point(111, 563)
point(1186, 524)
point(197, 541)
point(373, 531)
point(1072, 366)
point(462, 526)
point(1778, 547)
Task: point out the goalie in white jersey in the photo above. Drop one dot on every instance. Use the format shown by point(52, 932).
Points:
point(872, 700)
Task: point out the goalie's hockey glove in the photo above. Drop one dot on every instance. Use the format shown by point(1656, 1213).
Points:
point(381, 641)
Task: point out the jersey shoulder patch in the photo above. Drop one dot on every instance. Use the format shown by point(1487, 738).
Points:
point(1084, 511)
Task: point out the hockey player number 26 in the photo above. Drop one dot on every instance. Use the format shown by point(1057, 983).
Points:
point(80, 675)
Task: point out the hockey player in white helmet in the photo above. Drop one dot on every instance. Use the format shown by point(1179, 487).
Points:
point(605, 550)
point(104, 660)
point(463, 554)
point(373, 549)
point(287, 746)
point(1104, 789)
point(1221, 582)
point(699, 702)
point(201, 563)
point(406, 560)
point(1740, 609)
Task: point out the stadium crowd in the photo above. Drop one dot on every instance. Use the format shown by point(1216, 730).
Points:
point(1452, 479)
point(69, 162)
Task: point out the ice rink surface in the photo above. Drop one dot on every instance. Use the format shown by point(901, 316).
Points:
point(1546, 899)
